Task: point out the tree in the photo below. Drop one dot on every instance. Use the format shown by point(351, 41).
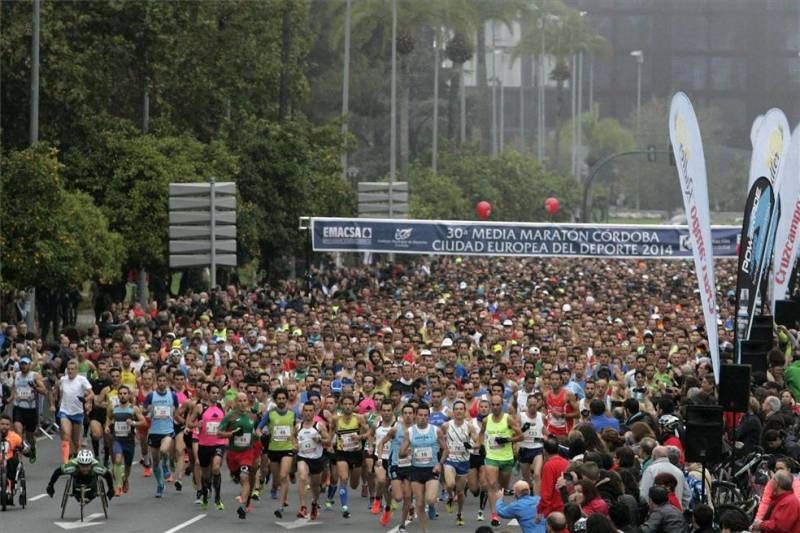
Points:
point(51, 237)
point(287, 171)
point(515, 185)
point(128, 175)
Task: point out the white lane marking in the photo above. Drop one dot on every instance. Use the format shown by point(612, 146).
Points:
point(37, 497)
point(395, 529)
point(77, 524)
point(300, 522)
point(187, 523)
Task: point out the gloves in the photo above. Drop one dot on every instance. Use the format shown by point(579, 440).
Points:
point(526, 426)
point(501, 440)
point(50, 490)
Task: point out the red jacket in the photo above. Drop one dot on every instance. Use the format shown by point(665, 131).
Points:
point(784, 515)
point(551, 497)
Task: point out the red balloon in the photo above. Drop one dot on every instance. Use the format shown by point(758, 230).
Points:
point(552, 205)
point(483, 209)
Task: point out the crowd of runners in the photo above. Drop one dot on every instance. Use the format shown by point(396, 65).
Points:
point(417, 386)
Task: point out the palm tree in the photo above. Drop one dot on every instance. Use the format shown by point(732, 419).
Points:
point(505, 12)
point(566, 33)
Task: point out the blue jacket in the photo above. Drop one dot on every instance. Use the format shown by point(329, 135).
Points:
point(602, 422)
point(524, 510)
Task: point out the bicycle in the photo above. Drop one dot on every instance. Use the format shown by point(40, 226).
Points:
point(83, 489)
point(739, 483)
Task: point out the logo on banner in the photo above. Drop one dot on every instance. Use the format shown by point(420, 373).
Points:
point(685, 243)
point(347, 233)
point(403, 234)
point(775, 151)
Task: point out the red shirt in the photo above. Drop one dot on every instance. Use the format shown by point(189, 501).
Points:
point(551, 497)
point(784, 515)
point(675, 441)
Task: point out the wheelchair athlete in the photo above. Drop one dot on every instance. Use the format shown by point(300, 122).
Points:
point(85, 471)
point(10, 445)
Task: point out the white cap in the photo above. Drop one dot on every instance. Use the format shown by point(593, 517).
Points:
point(447, 342)
point(507, 322)
point(534, 350)
point(425, 352)
point(566, 308)
point(647, 332)
point(410, 315)
point(462, 285)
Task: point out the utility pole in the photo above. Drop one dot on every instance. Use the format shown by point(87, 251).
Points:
point(30, 317)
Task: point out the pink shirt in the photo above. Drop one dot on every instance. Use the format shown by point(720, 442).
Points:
point(766, 498)
point(209, 424)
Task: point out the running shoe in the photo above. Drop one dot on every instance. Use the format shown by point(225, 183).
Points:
point(480, 517)
point(431, 512)
point(449, 505)
point(376, 506)
point(459, 520)
point(314, 511)
point(278, 513)
point(220, 505)
point(401, 528)
point(274, 494)
point(495, 520)
point(345, 512)
point(255, 495)
point(240, 511)
point(125, 486)
point(148, 471)
point(178, 485)
point(364, 490)
point(328, 504)
point(303, 512)
point(204, 503)
point(198, 498)
point(159, 491)
point(386, 517)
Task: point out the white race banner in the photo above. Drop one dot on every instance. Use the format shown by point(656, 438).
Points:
point(754, 129)
point(786, 238)
point(770, 143)
point(684, 133)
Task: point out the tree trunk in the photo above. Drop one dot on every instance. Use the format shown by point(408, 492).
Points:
point(484, 110)
point(404, 112)
point(286, 47)
point(452, 103)
point(559, 105)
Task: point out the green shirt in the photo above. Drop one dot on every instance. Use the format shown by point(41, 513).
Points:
point(244, 439)
point(281, 429)
point(792, 378)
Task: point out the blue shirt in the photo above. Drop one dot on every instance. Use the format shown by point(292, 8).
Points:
point(602, 422)
point(161, 408)
point(524, 510)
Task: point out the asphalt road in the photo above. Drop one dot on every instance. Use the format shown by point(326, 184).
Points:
point(139, 511)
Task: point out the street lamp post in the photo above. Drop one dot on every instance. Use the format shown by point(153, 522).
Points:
point(346, 80)
point(393, 118)
point(502, 128)
point(494, 91)
point(639, 55)
point(435, 147)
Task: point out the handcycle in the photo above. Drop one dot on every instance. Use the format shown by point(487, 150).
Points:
point(84, 493)
point(10, 486)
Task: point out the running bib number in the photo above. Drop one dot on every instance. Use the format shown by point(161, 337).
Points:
point(212, 427)
point(350, 441)
point(403, 462)
point(242, 441)
point(423, 455)
point(162, 411)
point(281, 433)
point(25, 394)
point(307, 445)
point(457, 448)
point(122, 429)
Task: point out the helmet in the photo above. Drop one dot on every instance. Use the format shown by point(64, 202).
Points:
point(670, 422)
point(85, 457)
